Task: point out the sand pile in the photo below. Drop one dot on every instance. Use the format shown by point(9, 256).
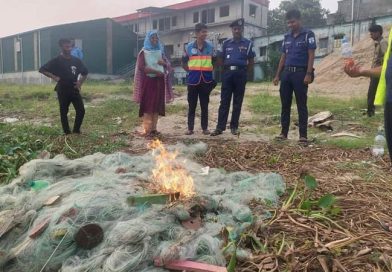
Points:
point(331, 79)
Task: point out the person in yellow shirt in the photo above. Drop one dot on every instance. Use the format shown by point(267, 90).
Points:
point(383, 95)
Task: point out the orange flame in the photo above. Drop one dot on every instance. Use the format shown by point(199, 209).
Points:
point(168, 175)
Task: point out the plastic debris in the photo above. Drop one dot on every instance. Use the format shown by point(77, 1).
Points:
point(194, 266)
point(51, 200)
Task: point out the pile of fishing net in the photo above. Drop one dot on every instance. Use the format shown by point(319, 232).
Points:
point(94, 190)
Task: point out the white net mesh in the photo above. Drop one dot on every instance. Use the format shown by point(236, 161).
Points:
point(134, 236)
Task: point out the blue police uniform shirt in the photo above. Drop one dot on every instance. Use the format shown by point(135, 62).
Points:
point(237, 53)
point(296, 48)
point(195, 77)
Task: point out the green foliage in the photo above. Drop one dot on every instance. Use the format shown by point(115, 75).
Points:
point(311, 205)
point(313, 15)
point(346, 115)
point(15, 150)
point(110, 115)
point(303, 201)
point(326, 201)
point(271, 65)
point(339, 18)
point(264, 103)
point(310, 182)
point(233, 261)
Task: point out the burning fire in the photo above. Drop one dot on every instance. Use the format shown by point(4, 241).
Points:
point(168, 175)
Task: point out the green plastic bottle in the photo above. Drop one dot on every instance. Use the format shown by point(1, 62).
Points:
point(38, 185)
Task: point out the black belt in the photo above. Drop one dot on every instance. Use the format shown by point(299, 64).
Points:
point(294, 69)
point(234, 68)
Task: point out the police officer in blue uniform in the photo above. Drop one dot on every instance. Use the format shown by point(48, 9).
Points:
point(237, 56)
point(295, 71)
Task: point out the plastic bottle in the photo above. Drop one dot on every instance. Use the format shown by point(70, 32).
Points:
point(38, 185)
point(379, 143)
point(347, 52)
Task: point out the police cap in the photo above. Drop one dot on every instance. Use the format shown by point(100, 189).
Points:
point(239, 22)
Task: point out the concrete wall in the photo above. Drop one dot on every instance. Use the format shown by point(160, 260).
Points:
point(327, 34)
point(107, 48)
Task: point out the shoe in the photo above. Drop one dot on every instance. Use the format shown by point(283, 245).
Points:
point(216, 132)
point(189, 132)
point(281, 137)
point(206, 132)
point(155, 132)
point(370, 113)
point(149, 136)
point(303, 141)
point(235, 131)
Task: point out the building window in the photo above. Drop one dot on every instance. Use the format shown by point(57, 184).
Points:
point(196, 17)
point(174, 21)
point(167, 24)
point(161, 26)
point(136, 28)
point(208, 16)
point(252, 10)
point(169, 50)
point(323, 43)
point(155, 24)
point(263, 51)
point(224, 11)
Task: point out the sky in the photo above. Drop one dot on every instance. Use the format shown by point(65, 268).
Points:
point(18, 16)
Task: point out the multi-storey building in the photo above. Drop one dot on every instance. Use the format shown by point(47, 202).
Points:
point(175, 23)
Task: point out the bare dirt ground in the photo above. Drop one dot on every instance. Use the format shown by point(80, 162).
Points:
point(174, 126)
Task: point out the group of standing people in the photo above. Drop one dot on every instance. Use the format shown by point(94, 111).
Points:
point(236, 58)
point(152, 80)
point(152, 84)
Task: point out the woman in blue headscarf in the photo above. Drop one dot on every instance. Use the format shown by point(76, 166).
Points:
point(152, 85)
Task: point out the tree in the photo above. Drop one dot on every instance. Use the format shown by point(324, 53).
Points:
point(339, 18)
point(313, 15)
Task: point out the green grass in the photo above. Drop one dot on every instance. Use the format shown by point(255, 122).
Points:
point(347, 117)
point(176, 109)
point(349, 143)
point(110, 116)
point(264, 103)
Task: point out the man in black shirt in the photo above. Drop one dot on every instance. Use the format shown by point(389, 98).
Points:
point(69, 72)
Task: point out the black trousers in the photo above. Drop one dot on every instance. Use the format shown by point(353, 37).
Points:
point(233, 85)
point(293, 82)
point(388, 126)
point(198, 92)
point(372, 94)
point(67, 96)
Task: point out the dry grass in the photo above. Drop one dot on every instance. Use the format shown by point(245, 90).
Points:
point(351, 241)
